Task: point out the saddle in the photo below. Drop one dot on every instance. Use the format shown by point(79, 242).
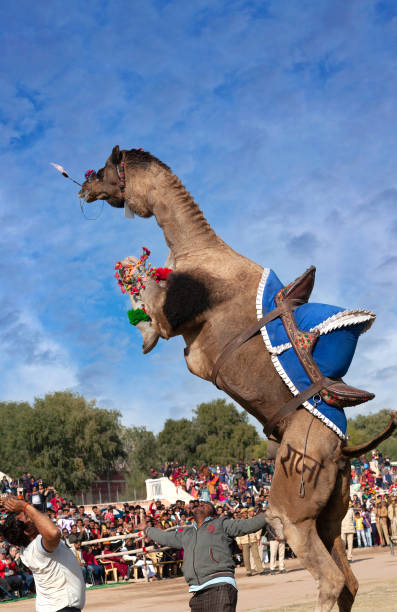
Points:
point(333, 391)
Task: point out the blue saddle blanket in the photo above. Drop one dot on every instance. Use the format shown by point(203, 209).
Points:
point(333, 352)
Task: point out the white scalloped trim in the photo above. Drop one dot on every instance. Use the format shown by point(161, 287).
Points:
point(337, 321)
point(279, 368)
point(344, 319)
point(277, 350)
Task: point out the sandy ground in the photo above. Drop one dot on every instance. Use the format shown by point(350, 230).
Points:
point(375, 569)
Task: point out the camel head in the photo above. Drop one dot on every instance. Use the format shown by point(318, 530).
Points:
point(126, 179)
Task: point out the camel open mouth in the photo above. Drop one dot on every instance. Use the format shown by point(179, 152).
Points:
point(90, 197)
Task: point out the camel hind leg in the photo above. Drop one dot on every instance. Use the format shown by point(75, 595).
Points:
point(329, 529)
point(308, 547)
point(298, 505)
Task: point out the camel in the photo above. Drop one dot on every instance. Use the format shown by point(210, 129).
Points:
point(209, 299)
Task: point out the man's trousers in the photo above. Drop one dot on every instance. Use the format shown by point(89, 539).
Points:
point(384, 530)
point(348, 538)
point(222, 598)
point(247, 549)
point(277, 546)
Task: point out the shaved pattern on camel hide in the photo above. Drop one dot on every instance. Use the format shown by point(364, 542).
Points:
point(295, 461)
point(187, 297)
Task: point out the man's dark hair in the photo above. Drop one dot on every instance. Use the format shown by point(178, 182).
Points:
point(13, 531)
point(212, 508)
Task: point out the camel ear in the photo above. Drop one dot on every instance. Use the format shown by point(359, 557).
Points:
point(115, 156)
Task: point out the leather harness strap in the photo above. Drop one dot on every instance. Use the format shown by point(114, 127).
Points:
point(295, 402)
point(236, 342)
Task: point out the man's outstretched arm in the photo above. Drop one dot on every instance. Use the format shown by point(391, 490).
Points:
point(50, 533)
point(240, 527)
point(165, 538)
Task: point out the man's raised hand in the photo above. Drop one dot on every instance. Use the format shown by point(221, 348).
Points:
point(13, 504)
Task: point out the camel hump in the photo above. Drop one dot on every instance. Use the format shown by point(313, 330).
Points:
point(300, 288)
point(341, 395)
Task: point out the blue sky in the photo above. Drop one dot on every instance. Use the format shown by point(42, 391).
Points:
point(280, 117)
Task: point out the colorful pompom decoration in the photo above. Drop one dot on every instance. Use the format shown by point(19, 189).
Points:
point(137, 315)
point(162, 273)
point(89, 174)
point(131, 277)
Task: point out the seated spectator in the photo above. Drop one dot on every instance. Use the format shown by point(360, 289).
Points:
point(96, 568)
point(117, 562)
point(86, 570)
point(8, 572)
point(25, 573)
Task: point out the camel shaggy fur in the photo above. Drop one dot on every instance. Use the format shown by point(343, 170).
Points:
point(203, 302)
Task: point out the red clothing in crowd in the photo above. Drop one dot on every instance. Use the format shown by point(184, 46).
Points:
point(56, 503)
point(89, 558)
point(4, 565)
point(116, 562)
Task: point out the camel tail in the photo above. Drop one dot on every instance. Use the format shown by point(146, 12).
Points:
point(361, 449)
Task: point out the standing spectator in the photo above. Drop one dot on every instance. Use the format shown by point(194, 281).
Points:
point(381, 515)
point(5, 486)
point(277, 546)
point(359, 526)
point(367, 525)
point(37, 498)
point(27, 485)
point(348, 531)
point(392, 514)
point(374, 527)
point(249, 543)
point(14, 486)
point(56, 501)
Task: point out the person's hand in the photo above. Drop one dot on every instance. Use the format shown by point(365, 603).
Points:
point(13, 504)
point(143, 524)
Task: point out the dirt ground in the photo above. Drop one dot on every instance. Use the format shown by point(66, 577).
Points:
point(375, 569)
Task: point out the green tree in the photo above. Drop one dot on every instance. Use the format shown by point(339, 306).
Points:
point(64, 439)
point(140, 447)
point(178, 441)
point(14, 454)
point(217, 433)
point(363, 428)
point(224, 433)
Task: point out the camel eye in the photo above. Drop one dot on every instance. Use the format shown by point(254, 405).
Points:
point(100, 174)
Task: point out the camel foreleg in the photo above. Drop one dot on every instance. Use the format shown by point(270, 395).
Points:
point(153, 296)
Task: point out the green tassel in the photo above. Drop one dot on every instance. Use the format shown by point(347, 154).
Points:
point(137, 315)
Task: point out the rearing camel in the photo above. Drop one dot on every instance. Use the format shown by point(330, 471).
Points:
point(210, 298)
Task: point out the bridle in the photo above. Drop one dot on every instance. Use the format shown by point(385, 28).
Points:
point(121, 173)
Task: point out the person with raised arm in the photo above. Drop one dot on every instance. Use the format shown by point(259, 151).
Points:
point(60, 586)
point(208, 564)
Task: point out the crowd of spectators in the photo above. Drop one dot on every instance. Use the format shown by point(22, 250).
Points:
point(241, 483)
point(239, 490)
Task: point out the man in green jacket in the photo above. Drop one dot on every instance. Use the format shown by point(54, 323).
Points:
point(208, 564)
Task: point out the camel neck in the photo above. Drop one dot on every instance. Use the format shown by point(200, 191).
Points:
point(185, 228)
